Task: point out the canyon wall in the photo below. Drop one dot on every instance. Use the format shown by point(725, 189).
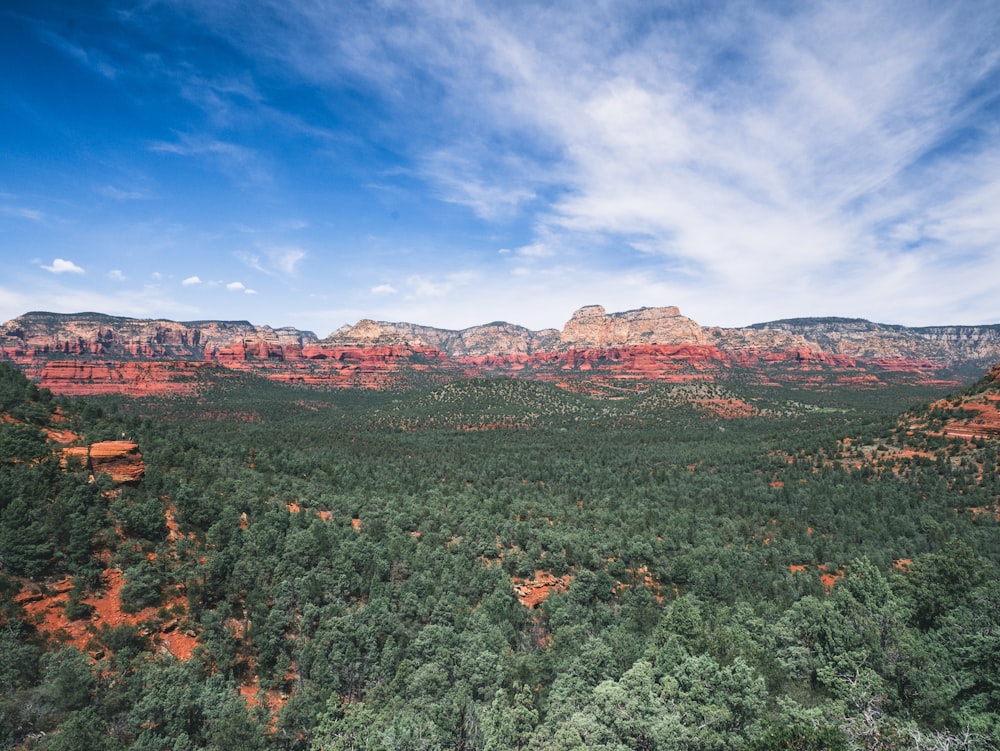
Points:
point(96, 353)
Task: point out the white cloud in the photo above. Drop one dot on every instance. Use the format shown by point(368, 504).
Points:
point(191, 280)
point(536, 250)
point(752, 158)
point(240, 287)
point(283, 260)
point(48, 293)
point(383, 289)
point(117, 275)
point(253, 261)
point(286, 259)
point(422, 285)
point(62, 266)
point(243, 164)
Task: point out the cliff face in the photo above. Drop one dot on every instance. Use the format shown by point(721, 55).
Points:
point(51, 335)
point(90, 353)
point(488, 339)
point(863, 339)
point(122, 460)
point(591, 326)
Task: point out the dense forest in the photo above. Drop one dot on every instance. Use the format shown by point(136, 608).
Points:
point(498, 564)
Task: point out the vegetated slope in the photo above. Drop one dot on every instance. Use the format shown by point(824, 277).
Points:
point(645, 576)
point(959, 432)
point(71, 515)
point(484, 404)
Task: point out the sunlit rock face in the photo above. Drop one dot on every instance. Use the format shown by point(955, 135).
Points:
point(121, 460)
point(977, 415)
point(92, 353)
point(591, 326)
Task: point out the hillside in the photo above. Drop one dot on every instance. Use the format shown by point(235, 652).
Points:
point(307, 569)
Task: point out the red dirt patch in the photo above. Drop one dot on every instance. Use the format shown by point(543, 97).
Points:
point(980, 511)
point(532, 592)
point(271, 700)
point(726, 409)
point(46, 608)
point(61, 436)
point(826, 578)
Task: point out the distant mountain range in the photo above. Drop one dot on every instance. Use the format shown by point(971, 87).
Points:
point(98, 353)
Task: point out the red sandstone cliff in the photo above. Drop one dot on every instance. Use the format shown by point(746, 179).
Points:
point(122, 460)
point(89, 353)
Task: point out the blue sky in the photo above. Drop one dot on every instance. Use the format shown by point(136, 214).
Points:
point(451, 163)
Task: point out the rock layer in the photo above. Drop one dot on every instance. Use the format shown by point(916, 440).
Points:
point(90, 353)
point(121, 460)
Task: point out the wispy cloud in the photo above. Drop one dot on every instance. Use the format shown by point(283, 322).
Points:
point(22, 212)
point(117, 275)
point(191, 281)
point(756, 149)
point(745, 160)
point(281, 261)
point(286, 260)
point(423, 285)
point(93, 59)
point(244, 164)
point(62, 266)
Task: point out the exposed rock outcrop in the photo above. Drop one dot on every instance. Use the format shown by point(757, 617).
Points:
point(489, 339)
point(121, 460)
point(866, 340)
point(51, 335)
point(95, 377)
point(978, 411)
point(591, 326)
point(91, 353)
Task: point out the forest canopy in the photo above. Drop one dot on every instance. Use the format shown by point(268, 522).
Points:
point(497, 565)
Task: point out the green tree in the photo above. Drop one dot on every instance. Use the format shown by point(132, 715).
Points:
point(67, 680)
point(84, 730)
point(510, 721)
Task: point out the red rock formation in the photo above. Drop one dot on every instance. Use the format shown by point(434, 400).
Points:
point(83, 378)
point(532, 592)
point(122, 460)
point(89, 353)
point(590, 326)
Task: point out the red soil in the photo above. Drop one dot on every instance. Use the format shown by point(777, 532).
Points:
point(532, 592)
point(726, 409)
point(272, 700)
point(826, 578)
point(984, 423)
point(46, 608)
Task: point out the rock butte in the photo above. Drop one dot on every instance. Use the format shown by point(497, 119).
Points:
point(92, 353)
